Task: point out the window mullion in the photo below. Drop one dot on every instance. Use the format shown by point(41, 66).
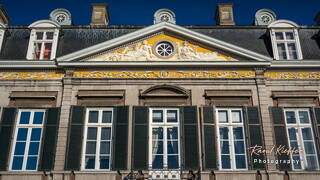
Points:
point(26, 151)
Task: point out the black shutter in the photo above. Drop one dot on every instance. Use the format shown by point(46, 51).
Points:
point(49, 140)
point(140, 138)
point(120, 138)
point(280, 135)
point(6, 129)
point(255, 137)
point(190, 138)
point(209, 138)
point(316, 127)
point(73, 154)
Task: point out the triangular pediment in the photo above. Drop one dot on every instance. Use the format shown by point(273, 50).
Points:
point(163, 42)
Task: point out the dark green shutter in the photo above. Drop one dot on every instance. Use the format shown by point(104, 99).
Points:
point(49, 140)
point(316, 128)
point(73, 154)
point(120, 138)
point(6, 129)
point(190, 138)
point(140, 138)
point(255, 137)
point(280, 135)
point(209, 139)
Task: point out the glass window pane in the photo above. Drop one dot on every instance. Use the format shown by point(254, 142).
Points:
point(37, 50)
point(296, 162)
point(106, 133)
point(31, 163)
point(25, 117)
point(236, 116)
point(279, 36)
point(237, 133)
point(92, 133)
point(172, 133)
point(22, 134)
point(282, 50)
point(294, 145)
point(223, 116)
point(173, 162)
point(224, 145)
point(239, 147)
point(39, 35)
point(91, 147)
point(312, 163)
point(157, 133)
point(292, 51)
point(17, 163)
point(35, 134)
point(224, 133)
point(157, 116)
point(93, 116)
point(291, 119)
point(225, 161)
point(90, 162)
point(157, 162)
point(20, 148)
point(47, 51)
point(240, 161)
point(33, 148)
point(304, 116)
point(105, 148)
point(38, 118)
point(104, 162)
point(157, 147)
point(106, 116)
point(172, 116)
point(49, 35)
point(289, 36)
point(292, 134)
point(172, 147)
point(309, 148)
point(307, 134)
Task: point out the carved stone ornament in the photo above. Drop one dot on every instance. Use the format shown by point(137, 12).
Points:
point(161, 48)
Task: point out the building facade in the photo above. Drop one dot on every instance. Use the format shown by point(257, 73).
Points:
point(159, 102)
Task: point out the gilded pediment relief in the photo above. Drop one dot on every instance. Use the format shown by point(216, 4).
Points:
point(160, 47)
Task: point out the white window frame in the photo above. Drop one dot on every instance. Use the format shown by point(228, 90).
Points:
point(99, 126)
point(230, 124)
point(33, 40)
point(299, 126)
point(29, 126)
point(296, 41)
point(2, 33)
point(164, 125)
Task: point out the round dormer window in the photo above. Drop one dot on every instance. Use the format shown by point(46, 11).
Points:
point(164, 49)
point(165, 18)
point(60, 18)
point(266, 19)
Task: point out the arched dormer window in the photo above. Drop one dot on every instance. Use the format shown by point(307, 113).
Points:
point(285, 40)
point(43, 40)
point(2, 33)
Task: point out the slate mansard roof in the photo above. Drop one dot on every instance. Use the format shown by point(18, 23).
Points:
point(74, 38)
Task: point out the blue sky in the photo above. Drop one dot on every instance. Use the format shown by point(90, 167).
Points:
point(140, 12)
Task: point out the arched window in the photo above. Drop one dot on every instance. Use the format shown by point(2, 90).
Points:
point(43, 40)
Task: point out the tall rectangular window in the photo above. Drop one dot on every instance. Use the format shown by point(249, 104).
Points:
point(300, 136)
point(286, 45)
point(231, 139)
point(164, 146)
point(97, 139)
point(27, 140)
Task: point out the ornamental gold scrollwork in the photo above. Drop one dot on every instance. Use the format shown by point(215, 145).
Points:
point(292, 75)
point(164, 74)
point(31, 75)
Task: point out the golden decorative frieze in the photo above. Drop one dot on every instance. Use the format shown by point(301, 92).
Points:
point(164, 74)
point(31, 75)
point(292, 75)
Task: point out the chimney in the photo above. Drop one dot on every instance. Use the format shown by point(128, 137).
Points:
point(100, 14)
point(224, 14)
point(317, 19)
point(4, 18)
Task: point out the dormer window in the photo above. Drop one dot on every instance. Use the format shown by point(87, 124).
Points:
point(285, 40)
point(43, 40)
point(2, 33)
